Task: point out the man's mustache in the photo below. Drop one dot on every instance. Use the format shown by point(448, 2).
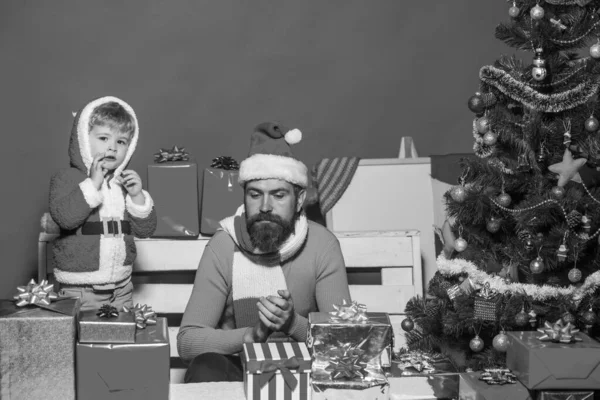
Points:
point(265, 217)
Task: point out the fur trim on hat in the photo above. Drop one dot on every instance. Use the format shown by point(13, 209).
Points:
point(271, 166)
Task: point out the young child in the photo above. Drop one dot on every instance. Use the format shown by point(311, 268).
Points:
point(100, 206)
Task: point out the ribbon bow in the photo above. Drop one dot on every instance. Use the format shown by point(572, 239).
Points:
point(225, 162)
point(559, 332)
point(144, 315)
point(417, 360)
point(349, 312)
point(38, 294)
point(175, 154)
point(107, 311)
point(345, 362)
point(497, 376)
point(487, 292)
point(268, 368)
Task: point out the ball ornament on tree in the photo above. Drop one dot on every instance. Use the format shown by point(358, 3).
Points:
point(514, 11)
point(589, 317)
point(537, 265)
point(521, 319)
point(483, 125)
point(504, 199)
point(592, 124)
point(501, 342)
point(458, 194)
point(493, 225)
point(575, 275)
point(539, 73)
point(537, 12)
point(476, 344)
point(460, 244)
point(595, 51)
point(476, 104)
point(558, 192)
point(490, 138)
point(407, 324)
point(567, 318)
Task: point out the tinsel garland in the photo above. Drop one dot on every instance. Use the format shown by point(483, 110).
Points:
point(540, 293)
point(521, 92)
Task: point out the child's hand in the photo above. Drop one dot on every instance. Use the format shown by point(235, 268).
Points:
point(133, 184)
point(97, 170)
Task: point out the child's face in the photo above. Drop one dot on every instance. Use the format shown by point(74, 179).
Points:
point(112, 142)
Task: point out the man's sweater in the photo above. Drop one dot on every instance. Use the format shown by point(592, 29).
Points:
point(316, 278)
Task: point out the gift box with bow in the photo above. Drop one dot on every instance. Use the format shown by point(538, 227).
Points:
point(106, 325)
point(276, 370)
point(37, 336)
point(471, 387)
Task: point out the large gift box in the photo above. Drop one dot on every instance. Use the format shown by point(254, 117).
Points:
point(138, 370)
point(472, 388)
point(565, 395)
point(37, 350)
point(547, 365)
point(276, 370)
point(221, 194)
point(173, 186)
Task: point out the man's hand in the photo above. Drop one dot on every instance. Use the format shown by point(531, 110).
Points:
point(133, 184)
point(97, 170)
point(277, 313)
point(258, 333)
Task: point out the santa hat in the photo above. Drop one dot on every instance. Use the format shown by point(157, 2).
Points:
point(271, 157)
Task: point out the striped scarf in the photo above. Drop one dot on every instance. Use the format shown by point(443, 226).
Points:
point(331, 177)
point(254, 273)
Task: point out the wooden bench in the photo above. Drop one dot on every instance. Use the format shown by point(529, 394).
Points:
point(384, 272)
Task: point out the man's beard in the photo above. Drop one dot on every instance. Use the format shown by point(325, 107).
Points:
point(269, 236)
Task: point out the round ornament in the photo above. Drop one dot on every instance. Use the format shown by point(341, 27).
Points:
point(476, 344)
point(575, 275)
point(476, 104)
point(504, 199)
point(490, 138)
point(567, 317)
point(591, 124)
point(483, 125)
point(460, 244)
point(407, 324)
point(514, 11)
point(539, 73)
point(521, 319)
point(558, 192)
point(595, 51)
point(458, 194)
point(589, 317)
point(493, 225)
point(501, 341)
point(537, 12)
point(537, 265)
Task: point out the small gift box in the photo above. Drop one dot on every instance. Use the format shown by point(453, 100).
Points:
point(221, 193)
point(106, 325)
point(173, 184)
point(126, 371)
point(277, 370)
point(545, 364)
point(37, 336)
point(471, 387)
point(565, 395)
point(487, 304)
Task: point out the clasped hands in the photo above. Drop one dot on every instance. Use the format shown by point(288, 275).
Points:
point(276, 314)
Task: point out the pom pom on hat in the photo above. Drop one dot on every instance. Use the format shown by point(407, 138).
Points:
point(294, 136)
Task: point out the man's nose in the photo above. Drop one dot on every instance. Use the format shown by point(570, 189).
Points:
point(265, 205)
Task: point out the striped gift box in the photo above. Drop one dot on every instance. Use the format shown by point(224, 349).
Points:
point(276, 370)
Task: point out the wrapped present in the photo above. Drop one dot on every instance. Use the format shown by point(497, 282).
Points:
point(415, 362)
point(276, 371)
point(173, 184)
point(565, 395)
point(487, 304)
point(541, 364)
point(37, 354)
point(221, 193)
point(137, 370)
point(471, 387)
point(107, 325)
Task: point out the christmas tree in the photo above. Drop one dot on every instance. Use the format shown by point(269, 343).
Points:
point(521, 240)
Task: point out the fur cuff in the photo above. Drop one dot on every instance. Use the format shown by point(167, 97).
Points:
point(271, 166)
point(140, 211)
point(92, 196)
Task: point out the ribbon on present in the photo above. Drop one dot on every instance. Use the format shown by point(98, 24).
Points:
point(558, 332)
point(346, 362)
point(487, 292)
point(497, 376)
point(175, 154)
point(419, 361)
point(35, 294)
point(225, 162)
point(144, 315)
point(107, 311)
point(349, 313)
point(268, 368)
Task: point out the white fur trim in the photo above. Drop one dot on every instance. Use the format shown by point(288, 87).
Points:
point(271, 166)
point(140, 211)
point(254, 280)
point(100, 277)
point(293, 136)
point(83, 132)
point(91, 195)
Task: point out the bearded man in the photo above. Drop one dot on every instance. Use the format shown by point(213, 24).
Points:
point(265, 269)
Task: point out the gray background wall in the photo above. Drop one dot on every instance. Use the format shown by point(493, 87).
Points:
point(353, 75)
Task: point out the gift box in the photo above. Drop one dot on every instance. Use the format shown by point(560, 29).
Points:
point(565, 395)
point(37, 350)
point(350, 390)
point(174, 188)
point(97, 328)
point(472, 388)
point(487, 304)
point(221, 197)
point(547, 365)
point(137, 370)
point(279, 370)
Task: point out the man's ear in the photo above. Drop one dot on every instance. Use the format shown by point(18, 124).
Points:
point(300, 200)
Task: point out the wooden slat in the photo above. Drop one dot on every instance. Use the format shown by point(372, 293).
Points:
point(397, 276)
point(168, 255)
point(377, 251)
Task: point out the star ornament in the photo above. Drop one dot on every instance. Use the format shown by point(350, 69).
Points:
point(558, 332)
point(568, 168)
